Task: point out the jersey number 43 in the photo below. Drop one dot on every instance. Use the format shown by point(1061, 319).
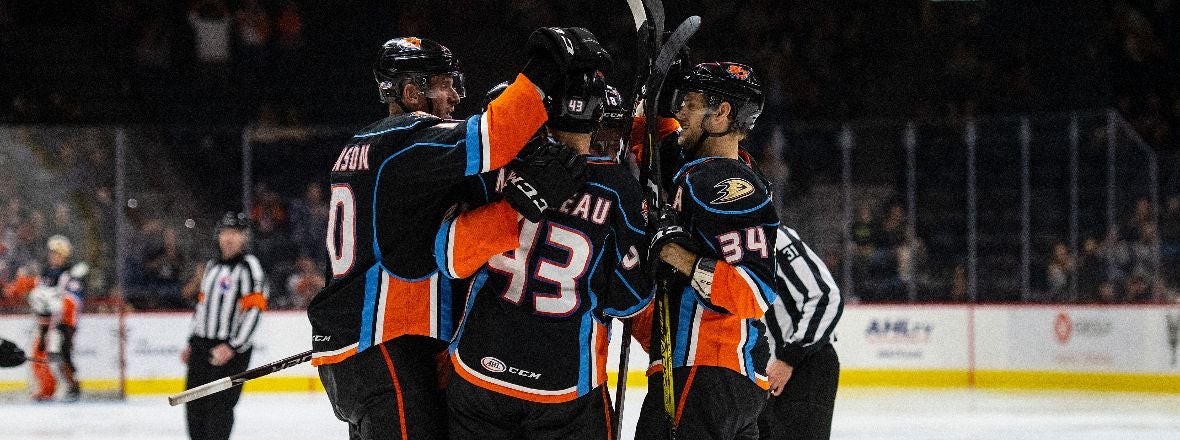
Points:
point(565, 275)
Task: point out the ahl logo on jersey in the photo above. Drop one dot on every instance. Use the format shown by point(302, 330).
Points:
point(730, 190)
point(494, 365)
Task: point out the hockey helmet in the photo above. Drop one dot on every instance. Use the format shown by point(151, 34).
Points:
point(415, 59)
point(723, 81)
point(608, 139)
point(614, 113)
point(492, 94)
point(234, 220)
point(580, 108)
point(59, 244)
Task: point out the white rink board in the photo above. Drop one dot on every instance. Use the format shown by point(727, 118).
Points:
point(96, 345)
point(1121, 339)
point(903, 338)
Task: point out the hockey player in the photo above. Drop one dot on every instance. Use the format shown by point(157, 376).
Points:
point(804, 371)
point(530, 356)
point(231, 297)
point(718, 236)
point(56, 301)
point(381, 325)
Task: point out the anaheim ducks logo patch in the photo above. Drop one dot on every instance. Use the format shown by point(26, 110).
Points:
point(734, 189)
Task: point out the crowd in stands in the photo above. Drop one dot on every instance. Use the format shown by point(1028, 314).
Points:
point(889, 263)
point(282, 66)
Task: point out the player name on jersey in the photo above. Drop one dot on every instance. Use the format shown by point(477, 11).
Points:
point(353, 158)
point(583, 205)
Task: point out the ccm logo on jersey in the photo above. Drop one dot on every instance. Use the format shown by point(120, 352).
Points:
point(734, 189)
point(497, 366)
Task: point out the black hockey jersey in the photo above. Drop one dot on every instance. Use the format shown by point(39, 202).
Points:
point(726, 207)
point(537, 322)
point(390, 188)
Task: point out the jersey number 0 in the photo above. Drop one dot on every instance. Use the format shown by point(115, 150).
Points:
point(341, 240)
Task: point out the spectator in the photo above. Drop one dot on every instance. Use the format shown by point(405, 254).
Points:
point(211, 24)
point(268, 213)
point(309, 222)
point(254, 30)
point(911, 262)
point(864, 225)
point(1107, 294)
point(305, 283)
point(1115, 256)
point(1090, 269)
point(163, 264)
point(1143, 251)
point(1137, 290)
point(1057, 275)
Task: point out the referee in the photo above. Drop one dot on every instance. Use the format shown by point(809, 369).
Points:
point(804, 370)
point(230, 299)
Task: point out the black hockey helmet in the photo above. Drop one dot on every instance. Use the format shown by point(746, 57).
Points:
point(234, 220)
point(724, 81)
point(415, 59)
point(608, 139)
point(614, 113)
point(580, 108)
point(492, 94)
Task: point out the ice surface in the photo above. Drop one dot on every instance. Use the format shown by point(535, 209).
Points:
point(861, 413)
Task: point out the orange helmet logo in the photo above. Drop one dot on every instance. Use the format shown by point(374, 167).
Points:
point(410, 43)
point(738, 72)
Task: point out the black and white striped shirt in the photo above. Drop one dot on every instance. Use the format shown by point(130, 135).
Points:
point(809, 304)
point(232, 297)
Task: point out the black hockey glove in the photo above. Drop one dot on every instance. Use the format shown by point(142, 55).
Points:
point(10, 354)
point(557, 53)
point(543, 176)
point(665, 229)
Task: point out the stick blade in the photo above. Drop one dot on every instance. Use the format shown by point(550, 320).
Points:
point(192, 394)
point(638, 14)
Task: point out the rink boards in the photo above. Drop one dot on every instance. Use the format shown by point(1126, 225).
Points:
point(1115, 348)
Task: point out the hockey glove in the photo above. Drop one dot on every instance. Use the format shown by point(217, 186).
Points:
point(557, 53)
point(666, 230)
point(544, 175)
point(10, 354)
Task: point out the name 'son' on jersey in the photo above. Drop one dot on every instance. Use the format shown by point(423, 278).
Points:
point(352, 158)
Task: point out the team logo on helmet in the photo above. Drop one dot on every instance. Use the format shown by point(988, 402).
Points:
point(492, 364)
point(738, 71)
point(409, 42)
point(734, 189)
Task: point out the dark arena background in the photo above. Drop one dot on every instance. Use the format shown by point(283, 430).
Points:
point(995, 186)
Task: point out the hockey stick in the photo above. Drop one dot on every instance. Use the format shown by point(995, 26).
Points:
point(226, 383)
point(643, 61)
point(653, 180)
